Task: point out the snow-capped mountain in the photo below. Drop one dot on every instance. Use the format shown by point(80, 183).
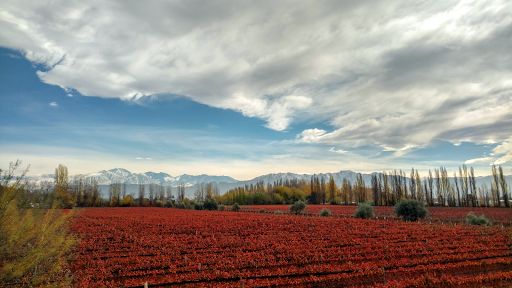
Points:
point(338, 178)
point(225, 183)
point(105, 177)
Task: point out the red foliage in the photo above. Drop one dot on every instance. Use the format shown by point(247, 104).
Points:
point(128, 246)
point(454, 214)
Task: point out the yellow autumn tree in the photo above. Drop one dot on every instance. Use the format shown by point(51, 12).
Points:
point(62, 191)
point(34, 243)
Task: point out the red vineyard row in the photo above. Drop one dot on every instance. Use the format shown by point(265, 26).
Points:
point(124, 247)
point(455, 214)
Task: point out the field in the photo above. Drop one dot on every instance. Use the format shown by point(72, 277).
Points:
point(454, 215)
point(125, 247)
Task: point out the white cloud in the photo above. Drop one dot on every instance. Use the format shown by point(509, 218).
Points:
point(483, 159)
point(54, 104)
point(504, 152)
point(278, 113)
point(311, 135)
point(337, 151)
point(405, 74)
point(138, 158)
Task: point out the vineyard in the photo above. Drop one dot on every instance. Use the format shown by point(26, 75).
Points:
point(125, 247)
point(436, 214)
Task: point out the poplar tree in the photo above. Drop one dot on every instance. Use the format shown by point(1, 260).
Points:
point(332, 189)
point(504, 188)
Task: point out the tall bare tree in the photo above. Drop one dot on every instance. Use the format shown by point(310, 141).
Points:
point(457, 187)
point(504, 188)
point(168, 193)
point(142, 194)
point(412, 184)
point(472, 187)
point(495, 187)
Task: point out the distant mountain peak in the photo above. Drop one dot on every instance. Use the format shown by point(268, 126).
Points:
point(106, 177)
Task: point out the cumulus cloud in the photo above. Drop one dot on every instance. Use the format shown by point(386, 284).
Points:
point(390, 73)
point(54, 104)
point(503, 152)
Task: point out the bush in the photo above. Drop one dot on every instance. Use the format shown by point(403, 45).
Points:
point(127, 201)
point(159, 203)
point(210, 204)
point(364, 211)
point(32, 239)
point(222, 207)
point(473, 219)
point(181, 205)
point(235, 207)
point(168, 204)
point(198, 206)
point(410, 210)
point(278, 212)
point(262, 211)
point(189, 206)
point(297, 207)
point(325, 213)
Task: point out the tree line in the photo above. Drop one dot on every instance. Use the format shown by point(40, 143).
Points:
point(384, 189)
point(78, 191)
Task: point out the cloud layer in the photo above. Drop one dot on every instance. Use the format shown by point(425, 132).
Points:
point(398, 74)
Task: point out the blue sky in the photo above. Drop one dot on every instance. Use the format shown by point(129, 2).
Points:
point(239, 90)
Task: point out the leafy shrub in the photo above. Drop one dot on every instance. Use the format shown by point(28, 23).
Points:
point(325, 213)
point(159, 203)
point(222, 207)
point(190, 206)
point(127, 201)
point(210, 204)
point(278, 212)
point(181, 205)
point(410, 210)
point(198, 206)
point(235, 207)
point(297, 207)
point(168, 204)
point(262, 211)
point(364, 211)
point(473, 219)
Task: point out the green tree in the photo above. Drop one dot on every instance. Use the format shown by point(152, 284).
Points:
point(235, 207)
point(297, 207)
point(210, 204)
point(364, 211)
point(62, 193)
point(410, 209)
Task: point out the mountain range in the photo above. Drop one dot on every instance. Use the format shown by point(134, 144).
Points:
point(106, 177)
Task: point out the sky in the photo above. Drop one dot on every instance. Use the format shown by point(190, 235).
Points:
point(247, 88)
